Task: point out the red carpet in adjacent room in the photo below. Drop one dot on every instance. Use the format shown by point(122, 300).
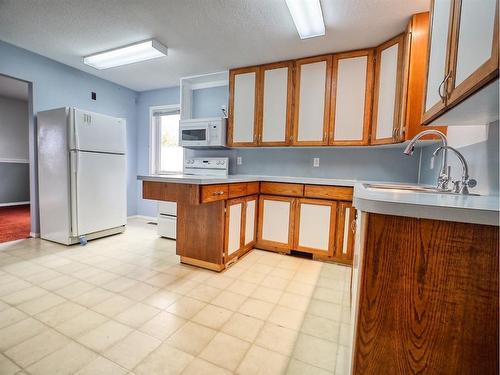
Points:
point(14, 222)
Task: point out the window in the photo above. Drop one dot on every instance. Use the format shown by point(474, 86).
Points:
point(166, 156)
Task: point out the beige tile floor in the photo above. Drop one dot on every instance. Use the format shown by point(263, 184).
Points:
point(125, 305)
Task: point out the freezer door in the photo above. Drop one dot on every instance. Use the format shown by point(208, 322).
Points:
point(96, 132)
point(99, 194)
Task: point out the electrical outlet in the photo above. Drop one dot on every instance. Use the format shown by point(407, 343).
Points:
point(239, 160)
point(315, 162)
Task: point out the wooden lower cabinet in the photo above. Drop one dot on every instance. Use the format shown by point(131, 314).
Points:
point(428, 297)
point(240, 225)
point(315, 226)
point(276, 218)
point(324, 228)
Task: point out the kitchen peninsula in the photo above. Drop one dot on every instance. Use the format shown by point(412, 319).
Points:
point(222, 218)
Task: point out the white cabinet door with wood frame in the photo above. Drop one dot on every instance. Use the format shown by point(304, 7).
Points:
point(346, 229)
point(276, 217)
point(243, 107)
point(474, 47)
point(276, 97)
point(234, 229)
point(312, 101)
point(387, 90)
point(250, 222)
point(315, 226)
point(440, 31)
point(351, 98)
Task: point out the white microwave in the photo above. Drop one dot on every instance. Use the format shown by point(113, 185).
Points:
point(206, 132)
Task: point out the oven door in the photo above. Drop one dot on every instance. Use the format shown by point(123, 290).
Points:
point(194, 136)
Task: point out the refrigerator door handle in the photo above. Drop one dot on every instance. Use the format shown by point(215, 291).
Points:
point(73, 155)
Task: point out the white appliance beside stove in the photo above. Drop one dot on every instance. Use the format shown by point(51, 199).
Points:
point(202, 167)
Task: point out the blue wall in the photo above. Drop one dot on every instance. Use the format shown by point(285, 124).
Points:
point(145, 100)
point(56, 85)
point(479, 145)
point(208, 102)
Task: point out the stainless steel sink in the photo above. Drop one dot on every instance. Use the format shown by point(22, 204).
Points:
point(410, 188)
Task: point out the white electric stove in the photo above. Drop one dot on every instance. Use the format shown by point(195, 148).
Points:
point(202, 167)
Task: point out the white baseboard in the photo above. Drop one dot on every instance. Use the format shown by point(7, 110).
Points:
point(149, 218)
point(34, 235)
point(13, 204)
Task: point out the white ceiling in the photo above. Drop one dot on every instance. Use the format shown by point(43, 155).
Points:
point(203, 36)
point(13, 88)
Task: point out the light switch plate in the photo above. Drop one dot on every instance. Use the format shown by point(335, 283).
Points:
point(315, 162)
point(239, 160)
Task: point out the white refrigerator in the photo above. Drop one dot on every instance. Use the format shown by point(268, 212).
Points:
point(82, 175)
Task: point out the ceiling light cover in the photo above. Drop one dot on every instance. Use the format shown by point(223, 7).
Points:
point(308, 17)
point(132, 53)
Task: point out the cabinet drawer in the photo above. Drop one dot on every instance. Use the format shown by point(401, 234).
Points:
point(212, 193)
point(252, 188)
point(278, 188)
point(328, 192)
point(237, 190)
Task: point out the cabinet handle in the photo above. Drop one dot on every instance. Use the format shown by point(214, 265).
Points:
point(446, 83)
point(445, 79)
point(353, 226)
point(218, 193)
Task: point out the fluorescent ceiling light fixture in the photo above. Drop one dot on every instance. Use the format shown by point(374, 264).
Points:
point(132, 53)
point(308, 17)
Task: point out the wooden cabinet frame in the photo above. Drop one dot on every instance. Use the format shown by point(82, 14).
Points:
point(230, 126)
point(289, 102)
point(482, 75)
point(332, 229)
point(296, 104)
point(400, 39)
point(369, 53)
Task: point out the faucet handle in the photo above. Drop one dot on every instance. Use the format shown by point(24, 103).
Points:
point(456, 186)
point(471, 183)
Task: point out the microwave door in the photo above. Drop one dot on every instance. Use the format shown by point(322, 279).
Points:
point(195, 136)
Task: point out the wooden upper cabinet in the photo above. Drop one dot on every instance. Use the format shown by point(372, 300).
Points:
point(437, 66)
point(474, 47)
point(243, 107)
point(312, 101)
point(415, 70)
point(463, 52)
point(388, 90)
point(276, 82)
point(351, 97)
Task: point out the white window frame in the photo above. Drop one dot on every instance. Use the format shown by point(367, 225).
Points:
point(154, 136)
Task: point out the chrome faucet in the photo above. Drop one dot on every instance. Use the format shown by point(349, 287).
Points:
point(462, 186)
point(444, 175)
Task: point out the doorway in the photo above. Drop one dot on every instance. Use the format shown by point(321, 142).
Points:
point(15, 215)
